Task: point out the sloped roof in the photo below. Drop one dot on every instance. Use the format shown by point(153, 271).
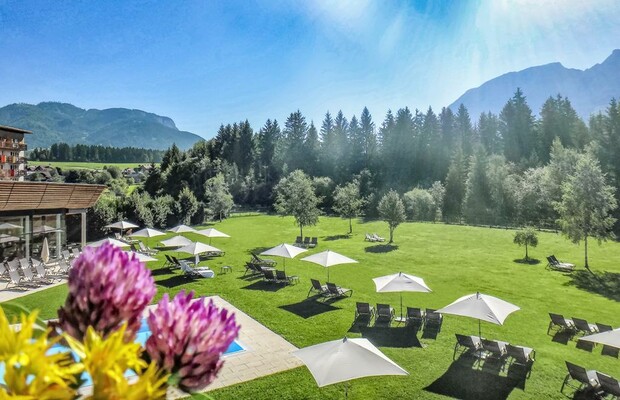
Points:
point(13, 129)
point(15, 196)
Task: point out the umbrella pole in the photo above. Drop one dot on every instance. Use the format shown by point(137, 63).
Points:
point(327, 274)
point(284, 264)
point(479, 330)
point(346, 390)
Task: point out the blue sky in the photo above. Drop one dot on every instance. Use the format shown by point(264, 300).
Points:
point(204, 63)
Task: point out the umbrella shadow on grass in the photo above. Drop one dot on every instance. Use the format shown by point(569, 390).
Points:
point(400, 337)
point(264, 286)
point(381, 248)
point(174, 281)
point(309, 308)
point(161, 271)
point(606, 283)
point(463, 380)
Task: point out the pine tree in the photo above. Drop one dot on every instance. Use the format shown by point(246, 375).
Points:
point(517, 128)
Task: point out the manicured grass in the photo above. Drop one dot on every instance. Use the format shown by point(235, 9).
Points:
point(453, 260)
point(84, 165)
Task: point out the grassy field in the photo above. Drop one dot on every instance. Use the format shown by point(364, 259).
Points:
point(84, 165)
point(453, 260)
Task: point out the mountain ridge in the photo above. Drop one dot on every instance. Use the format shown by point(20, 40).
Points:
point(589, 90)
point(54, 122)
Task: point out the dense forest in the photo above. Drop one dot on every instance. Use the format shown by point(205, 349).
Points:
point(510, 169)
point(95, 153)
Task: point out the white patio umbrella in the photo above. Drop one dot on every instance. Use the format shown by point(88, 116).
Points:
point(140, 256)
point(147, 233)
point(111, 241)
point(285, 251)
point(176, 241)
point(346, 359)
point(45, 251)
point(6, 225)
point(482, 307)
point(211, 233)
point(122, 225)
point(328, 258)
point(196, 249)
point(182, 229)
point(400, 282)
point(4, 238)
point(609, 338)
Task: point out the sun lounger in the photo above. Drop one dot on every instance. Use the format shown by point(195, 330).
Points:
point(281, 277)
point(337, 291)
point(14, 278)
point(384, 314)
point(202, 272)
point(75, 251)
point(299, 241)
point(415, 316)
point(316, 287)
point(364, 313)
point(39, 267)
point(146, 250)
point(263, 261)
point(63, 266)
point(604, 327)
point(520, 355)
point(314, 242)
point(585, 378)
point(433, 319)
point(581, 325)
point(561, 322)
point(369, 238)
point(66, 255)
point(13, 265)
point(466, 344)
point(610, 386)
point(269, 276)
point(553, 263)
point(306, 242)
point(253, 269)
point(494, 348)
point(377, 238)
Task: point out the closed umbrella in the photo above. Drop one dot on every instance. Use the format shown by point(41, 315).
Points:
point(211, 233)
point(182, 229)
point(147, 233)
point(481, 307)
point(196, 249)
point(285, 251)
point(111, 241)
point(346, 359)
point(328, 258)
point(609, 338)
point(176, 241)
point(45, 251)
point(400, 282)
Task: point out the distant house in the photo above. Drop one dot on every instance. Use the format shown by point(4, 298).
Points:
point(136, 174)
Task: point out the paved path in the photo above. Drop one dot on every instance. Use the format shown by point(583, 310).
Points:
point(12, 292)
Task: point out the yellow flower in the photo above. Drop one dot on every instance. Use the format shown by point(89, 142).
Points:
point(30, 372)
point(106, 360)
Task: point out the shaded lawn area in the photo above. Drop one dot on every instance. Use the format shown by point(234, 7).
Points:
point(453, 260)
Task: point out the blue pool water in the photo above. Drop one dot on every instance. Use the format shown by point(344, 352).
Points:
point(143, 334)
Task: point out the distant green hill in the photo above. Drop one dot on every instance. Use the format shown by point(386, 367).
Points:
point(53, 122)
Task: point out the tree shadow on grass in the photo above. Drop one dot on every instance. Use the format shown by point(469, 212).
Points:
point(464, 381)
point(401, 337)
point(264, 286)
point(531, 261)
point(174, 281)
point(606, 283)
point(336, 237)
point(309, 308)
point(381, 248)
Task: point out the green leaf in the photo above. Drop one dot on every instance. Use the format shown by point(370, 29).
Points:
point(18, 309)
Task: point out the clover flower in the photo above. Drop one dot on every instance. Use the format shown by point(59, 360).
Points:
point(188, 339)
point(107, 287)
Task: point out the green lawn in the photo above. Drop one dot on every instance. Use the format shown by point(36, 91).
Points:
point(84, 165)
point(453, 260)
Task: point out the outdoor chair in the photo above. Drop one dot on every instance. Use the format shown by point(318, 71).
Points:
point(377, 238)
point(146, 250)
point(176, 261)
point(369, 238)
point(321, 290)
point(553, 263)
point(14, 278)
point(561, 322)
point(281, 277)
point(199, 272)
point(252, 268)
point(337, 291)
point(581, 325)
point(585, 378)
point(134, 248)
point(269, 276)
point(520, 355)
point(604, 327)
point(63, 266)
point(169, 263)
point(299, 241)
point(3, 269)
point(66, 255)
point(29, 276)
point(24, 263)
point(314, 242)
point(433, 319)
point(263, 261)
point(385, 314)
point(415, 316)
point(40, 269)
point(494, 348)
point(13, 264)
point(610, 386)
point(364, 312)
point(306, 242)
point(466, 344)
point(75, 251)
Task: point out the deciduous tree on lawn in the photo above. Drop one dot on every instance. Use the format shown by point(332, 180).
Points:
point(587, 203)
point(526, 237)
point(392, 210)
point(295, 196)
point(348, 203)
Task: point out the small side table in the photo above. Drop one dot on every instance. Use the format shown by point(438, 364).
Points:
point(293, 278)
point(225, 269)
